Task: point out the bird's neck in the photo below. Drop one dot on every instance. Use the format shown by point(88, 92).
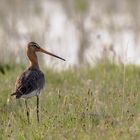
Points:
point(33, 61)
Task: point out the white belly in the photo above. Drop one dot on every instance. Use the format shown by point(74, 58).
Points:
point(34, 93)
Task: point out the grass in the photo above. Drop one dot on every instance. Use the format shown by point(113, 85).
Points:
point(83, 104)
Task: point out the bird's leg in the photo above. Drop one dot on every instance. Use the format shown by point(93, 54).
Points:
point(27, 111)
point(37, 109)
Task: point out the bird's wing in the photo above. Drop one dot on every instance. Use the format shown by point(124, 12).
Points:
point(28, 81)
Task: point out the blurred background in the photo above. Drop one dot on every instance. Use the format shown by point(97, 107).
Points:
point(81, 31)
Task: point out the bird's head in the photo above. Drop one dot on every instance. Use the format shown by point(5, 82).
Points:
point(34, 47)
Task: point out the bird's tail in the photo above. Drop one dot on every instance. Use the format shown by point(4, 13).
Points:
point(16, 94)
point(13, 94)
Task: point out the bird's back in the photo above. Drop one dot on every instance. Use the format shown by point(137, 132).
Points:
point(29, 81)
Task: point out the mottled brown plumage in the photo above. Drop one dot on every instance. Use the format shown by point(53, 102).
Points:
point(32, 80)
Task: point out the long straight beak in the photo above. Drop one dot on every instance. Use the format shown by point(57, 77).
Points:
point(46, 52)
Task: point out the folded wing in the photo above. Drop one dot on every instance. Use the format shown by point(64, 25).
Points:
point(29, 81)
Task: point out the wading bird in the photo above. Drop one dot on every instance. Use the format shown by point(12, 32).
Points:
point(32, 80)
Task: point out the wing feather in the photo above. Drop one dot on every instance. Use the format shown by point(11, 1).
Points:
point(28, 81)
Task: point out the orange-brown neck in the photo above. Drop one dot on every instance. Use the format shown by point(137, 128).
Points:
point(33, 61)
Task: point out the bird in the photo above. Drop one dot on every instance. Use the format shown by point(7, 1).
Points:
point(31, 82)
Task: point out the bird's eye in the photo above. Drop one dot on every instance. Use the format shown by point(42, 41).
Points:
point(37, 47)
